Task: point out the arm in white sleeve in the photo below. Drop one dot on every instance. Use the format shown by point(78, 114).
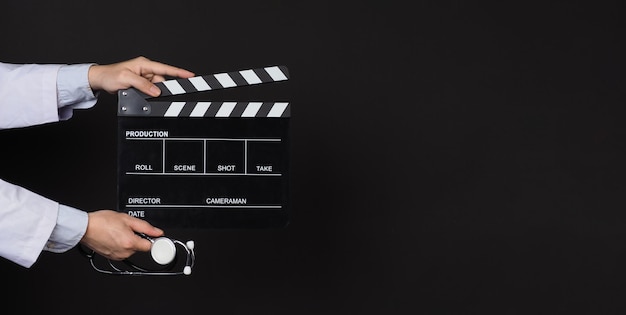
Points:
point(26, 222)
point(74, 91)
point(30, 223)
point(28, 95)
point(70, 228)
point(32, 95)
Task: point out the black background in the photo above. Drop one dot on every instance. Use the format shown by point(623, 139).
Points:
point(448, 157)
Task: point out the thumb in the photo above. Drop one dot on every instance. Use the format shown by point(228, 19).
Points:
point(142, 244)
point(143, 227)
point(144, 85)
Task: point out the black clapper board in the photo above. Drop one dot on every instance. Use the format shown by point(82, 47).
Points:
point(205, 164)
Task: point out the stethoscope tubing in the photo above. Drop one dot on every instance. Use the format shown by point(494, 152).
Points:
point(190, 261)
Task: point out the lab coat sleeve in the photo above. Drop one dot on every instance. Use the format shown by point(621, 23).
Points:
point(26, 222)
point(28, 95)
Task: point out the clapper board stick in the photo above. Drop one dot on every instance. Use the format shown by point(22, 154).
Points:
point(223, 80)
point(135, 103)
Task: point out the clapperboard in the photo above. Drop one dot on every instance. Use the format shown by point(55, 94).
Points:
point(205, 164)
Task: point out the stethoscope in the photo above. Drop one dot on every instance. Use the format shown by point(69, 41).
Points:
point(163, 252)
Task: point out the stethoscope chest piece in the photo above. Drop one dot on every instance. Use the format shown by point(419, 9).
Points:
point(163, 250)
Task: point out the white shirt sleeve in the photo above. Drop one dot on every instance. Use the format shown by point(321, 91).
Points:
point(74, 91)
point(70, 227)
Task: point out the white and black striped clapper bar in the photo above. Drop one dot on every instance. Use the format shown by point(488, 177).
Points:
point(132, 102)
point(209, 163)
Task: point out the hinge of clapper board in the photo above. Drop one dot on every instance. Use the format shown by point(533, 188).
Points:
point(132, 102)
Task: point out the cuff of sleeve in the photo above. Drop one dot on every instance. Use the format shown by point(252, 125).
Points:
point(74, 91)
point(69, 230)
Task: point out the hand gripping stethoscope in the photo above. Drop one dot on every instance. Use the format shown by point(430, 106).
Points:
point(163, 253)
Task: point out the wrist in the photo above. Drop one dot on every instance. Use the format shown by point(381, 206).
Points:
point(93, 76)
